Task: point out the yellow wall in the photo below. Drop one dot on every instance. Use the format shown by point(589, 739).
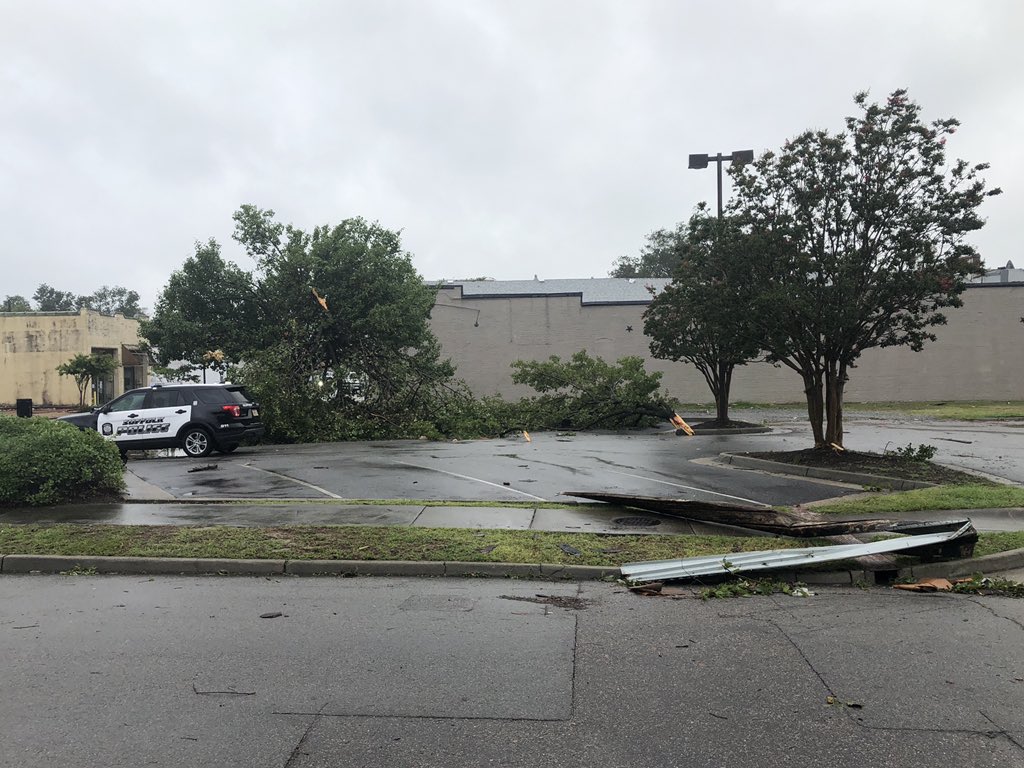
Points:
point(33, 344)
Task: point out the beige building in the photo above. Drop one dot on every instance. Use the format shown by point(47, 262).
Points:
point(33, 344)
point(483, 326)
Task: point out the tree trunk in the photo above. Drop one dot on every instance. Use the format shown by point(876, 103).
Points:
point(815, 406)
point(82, 385)
point(722, 395)
point(835, 382)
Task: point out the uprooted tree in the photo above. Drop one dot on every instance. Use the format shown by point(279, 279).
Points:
point(331, 328)
point(857, 241)
point(587, 392)
point(702, 315)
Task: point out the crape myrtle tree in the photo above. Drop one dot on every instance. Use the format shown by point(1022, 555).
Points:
point(86, 370)
point(702, 316)
point(860, 243)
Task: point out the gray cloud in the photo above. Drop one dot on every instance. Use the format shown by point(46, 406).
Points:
point(505, 139)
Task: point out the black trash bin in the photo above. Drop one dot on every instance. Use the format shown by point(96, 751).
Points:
point(23, 406)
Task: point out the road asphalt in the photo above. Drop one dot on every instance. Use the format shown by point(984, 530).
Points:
point(171, 671)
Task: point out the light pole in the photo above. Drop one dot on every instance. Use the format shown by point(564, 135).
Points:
point(701, 161)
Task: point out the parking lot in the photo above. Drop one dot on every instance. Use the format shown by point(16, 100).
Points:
point(656, 463)
point(512, 470)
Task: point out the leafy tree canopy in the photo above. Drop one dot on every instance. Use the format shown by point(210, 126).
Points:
point(209, 304)
point(15, 304)
point(112, 300)
point(658, 258)
point(109, 300)
point(587, 392)
point(861, 243)
point(49, 299)
point(702, 315)
point(86, 369)
point(332, 325)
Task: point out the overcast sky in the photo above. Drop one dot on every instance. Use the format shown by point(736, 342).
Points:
point(505, 139)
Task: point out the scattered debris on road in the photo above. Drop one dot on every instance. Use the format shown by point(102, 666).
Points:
point(682, 428)
point(229, 692)
point(658, 589)
point(927, 585)
point(271, 615)
point(832, 701)
point(203, 468)
point(559, 601)
point(989, 585)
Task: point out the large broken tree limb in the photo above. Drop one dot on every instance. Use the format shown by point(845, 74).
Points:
point(797, 523)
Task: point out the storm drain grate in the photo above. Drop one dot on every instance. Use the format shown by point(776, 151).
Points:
point(636, 522)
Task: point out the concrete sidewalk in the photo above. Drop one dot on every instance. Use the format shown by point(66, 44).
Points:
point(611, 520)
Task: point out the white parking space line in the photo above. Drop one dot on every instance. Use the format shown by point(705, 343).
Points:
point(474, 479)
point(688, 487)
point(317, 488)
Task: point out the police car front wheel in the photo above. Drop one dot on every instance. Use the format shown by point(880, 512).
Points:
point(196, 442)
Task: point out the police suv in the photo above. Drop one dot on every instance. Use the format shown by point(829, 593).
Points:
point(198, 418)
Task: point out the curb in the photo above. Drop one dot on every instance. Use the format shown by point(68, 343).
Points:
point(23, 564)
point(737, 431)
point(177, 566)
point(857, 478)
point(1000, 561)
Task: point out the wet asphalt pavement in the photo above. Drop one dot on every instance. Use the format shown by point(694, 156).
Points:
point(654, 463)
point(183, 671)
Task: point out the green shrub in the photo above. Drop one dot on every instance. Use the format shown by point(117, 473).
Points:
point(48, 462)
point(922, 452)
point(587, 392)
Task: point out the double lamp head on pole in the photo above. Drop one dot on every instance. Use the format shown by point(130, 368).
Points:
point(736, 158)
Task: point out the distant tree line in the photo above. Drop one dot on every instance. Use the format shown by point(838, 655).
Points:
point(109, 300)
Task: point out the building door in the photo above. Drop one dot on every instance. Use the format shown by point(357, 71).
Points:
point(104, 387)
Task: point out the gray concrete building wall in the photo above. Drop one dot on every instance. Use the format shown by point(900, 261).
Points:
point(483, 328)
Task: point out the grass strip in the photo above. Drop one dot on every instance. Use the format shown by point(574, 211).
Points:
point(990, 543)
point(970, 410)
point(350, 542)
point(942, 497)
point(962, 410)
point(341, 542)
